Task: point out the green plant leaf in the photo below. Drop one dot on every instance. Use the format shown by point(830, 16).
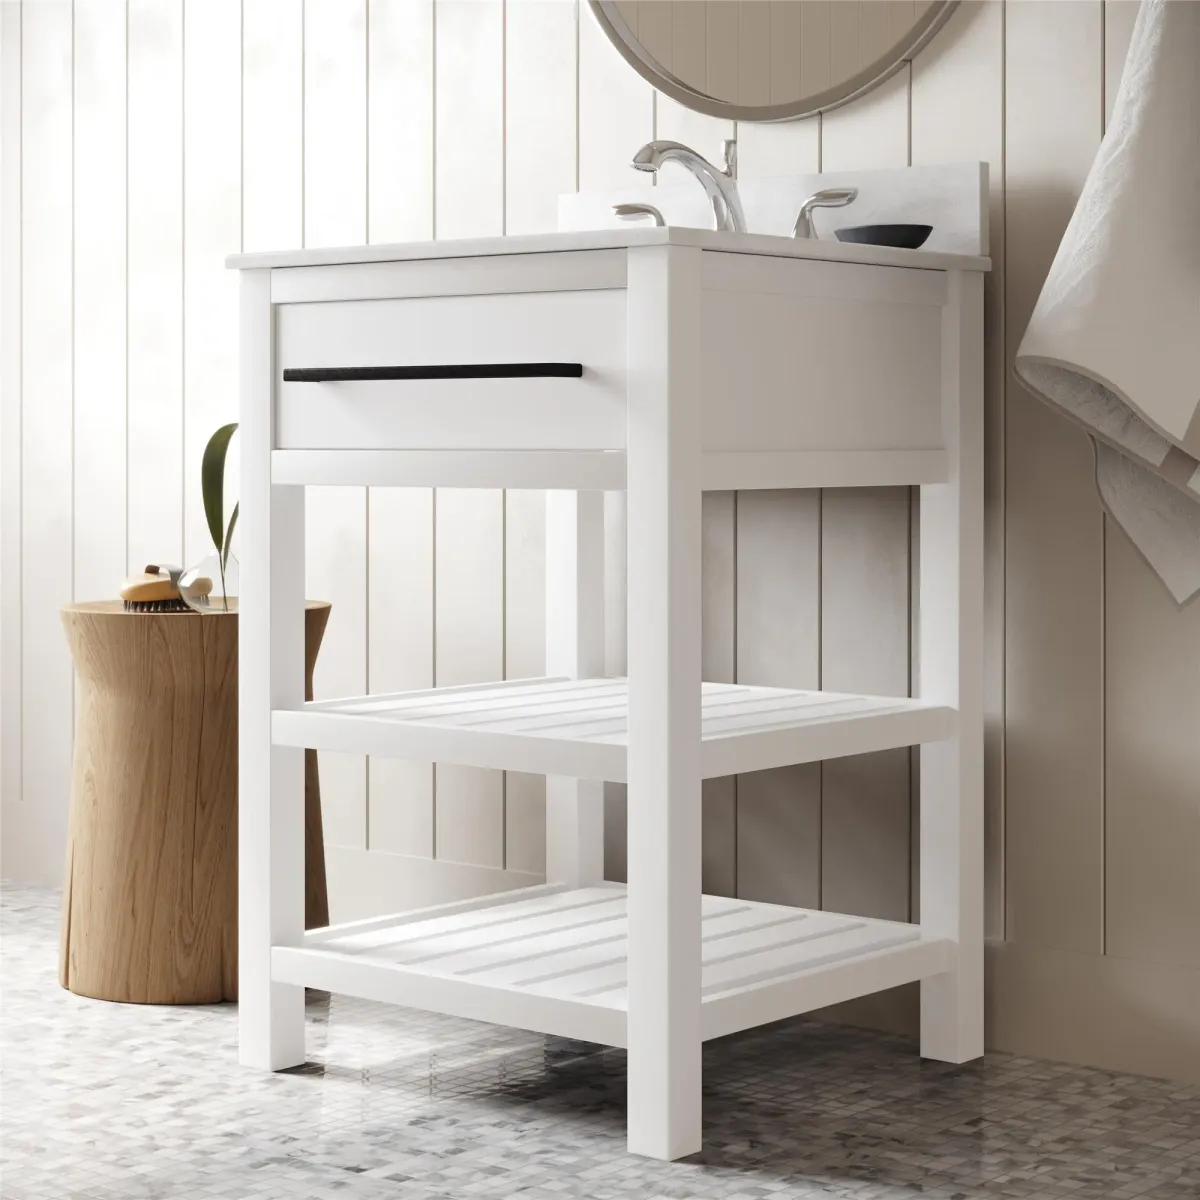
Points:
point(212, 482)
point(229, 536)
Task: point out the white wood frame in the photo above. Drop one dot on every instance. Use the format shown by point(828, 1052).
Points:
point(270, 676)
point(950, 671)
point(648, 730)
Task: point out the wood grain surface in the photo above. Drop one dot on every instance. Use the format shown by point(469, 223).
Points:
point(150, 904)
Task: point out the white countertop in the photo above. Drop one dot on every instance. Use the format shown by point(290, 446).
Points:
point(612, 239)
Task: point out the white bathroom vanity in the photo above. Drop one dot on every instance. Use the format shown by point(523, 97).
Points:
point(661, 361)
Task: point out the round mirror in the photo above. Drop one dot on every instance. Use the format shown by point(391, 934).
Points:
point(768, 60)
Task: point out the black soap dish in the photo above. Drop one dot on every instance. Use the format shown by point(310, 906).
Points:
point(907, 237)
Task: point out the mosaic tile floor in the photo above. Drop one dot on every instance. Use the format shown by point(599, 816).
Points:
point(106, 1100)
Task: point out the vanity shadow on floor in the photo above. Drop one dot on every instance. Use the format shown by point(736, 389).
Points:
point(106, 1100)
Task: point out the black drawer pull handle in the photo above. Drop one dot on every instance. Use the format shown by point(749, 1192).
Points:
point(437, 371)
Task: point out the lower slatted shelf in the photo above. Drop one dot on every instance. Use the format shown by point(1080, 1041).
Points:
point(579, 727)
point(553, 959)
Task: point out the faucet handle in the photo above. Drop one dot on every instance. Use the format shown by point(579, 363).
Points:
point(729, 146)
point(826, 198)
point(635, 212)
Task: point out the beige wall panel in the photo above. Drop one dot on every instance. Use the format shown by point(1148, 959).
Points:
point(865, 842)
point(1117, 1014)
point(723, 41)
point(1054, 556)
point(778, 644)
point(865, 851)
point(718, 665)
point(963, 72)
point(1152, 761)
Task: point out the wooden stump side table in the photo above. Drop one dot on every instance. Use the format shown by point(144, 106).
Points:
point(150, 903)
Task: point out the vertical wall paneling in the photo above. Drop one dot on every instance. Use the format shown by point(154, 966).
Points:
point(872, 132)
point(616, 112)
point(400, 156)
point(155, 282)
point(1054, 558)
point(787, 147)
point(540, 162)
point(719, 665)
point(400, 596)
point(754, 53)
point(469, 164)
point(12, 814)
point(335, 206)
point(1152, 698)
point(616, 116)
point(272, 124)
point(99, 237)
point(212, 228)
point(1152, 764)
point(778, 644)
point(964, 73)
point(845, 39)
point(865, 648)
point(47, 422)
point(142, 142)
point(614, 664)
point(469, 816)
point(469, 199)
point(524, 658)
point(540, 112)
point(400, 120)
point(723, 44)
point(816, 22)
point(865, 555)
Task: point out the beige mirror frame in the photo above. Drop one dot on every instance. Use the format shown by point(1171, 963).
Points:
point(647, 66)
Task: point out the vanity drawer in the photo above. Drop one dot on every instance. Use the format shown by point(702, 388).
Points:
point(437, 335)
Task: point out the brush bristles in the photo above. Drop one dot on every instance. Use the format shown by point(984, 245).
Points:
point(175, 605)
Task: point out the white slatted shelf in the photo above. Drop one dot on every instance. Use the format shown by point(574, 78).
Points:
point(578, 727)
point(554, 960)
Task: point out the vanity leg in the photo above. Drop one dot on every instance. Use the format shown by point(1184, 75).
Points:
point(950, 671)
point(270, 675)
point(663, 462)
point(575, 649)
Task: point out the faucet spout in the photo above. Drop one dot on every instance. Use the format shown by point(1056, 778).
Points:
point(720, 185)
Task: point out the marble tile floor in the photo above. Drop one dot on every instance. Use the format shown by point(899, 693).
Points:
point(135, 1103)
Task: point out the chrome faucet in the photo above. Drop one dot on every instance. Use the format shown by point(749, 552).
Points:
point(829, 198)
point(719, 183)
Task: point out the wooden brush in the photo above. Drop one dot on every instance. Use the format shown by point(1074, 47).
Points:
point(156, 591)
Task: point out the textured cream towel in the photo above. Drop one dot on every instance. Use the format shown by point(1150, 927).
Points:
point(1115, 339)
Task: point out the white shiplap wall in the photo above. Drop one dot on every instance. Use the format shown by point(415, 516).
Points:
point(144, 139)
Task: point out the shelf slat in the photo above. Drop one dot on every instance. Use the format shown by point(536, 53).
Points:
point(578, 727)
point(555, 961)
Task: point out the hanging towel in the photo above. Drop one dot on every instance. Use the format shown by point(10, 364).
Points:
point(1114, 342)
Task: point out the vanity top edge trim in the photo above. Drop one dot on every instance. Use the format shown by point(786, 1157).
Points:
point(612, 239)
